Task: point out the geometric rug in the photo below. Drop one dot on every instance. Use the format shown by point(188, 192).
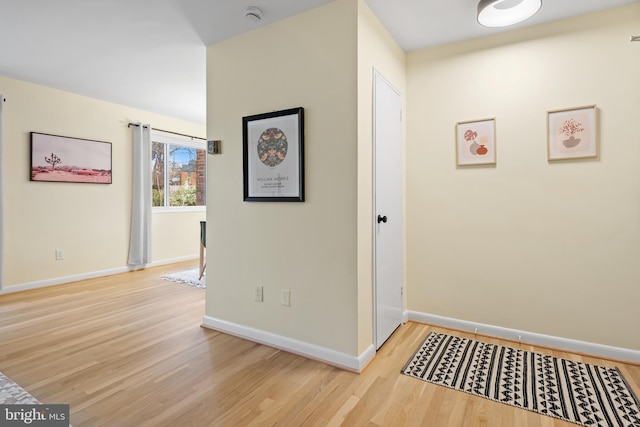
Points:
point(576, 392)
point(12, 394)
point(188, 277)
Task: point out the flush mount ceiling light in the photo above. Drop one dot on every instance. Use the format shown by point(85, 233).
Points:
point(252, 14)
point(502, 13)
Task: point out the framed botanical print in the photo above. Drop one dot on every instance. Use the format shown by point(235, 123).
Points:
point(273, 156)
point(476, 142)
point(572, 133)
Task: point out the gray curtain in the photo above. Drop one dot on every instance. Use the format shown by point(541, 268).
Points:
point(140, 244)
point(1, 198)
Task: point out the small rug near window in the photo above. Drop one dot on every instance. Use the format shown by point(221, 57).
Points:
point(12, 394)
point(188, 277)
point(576, 392)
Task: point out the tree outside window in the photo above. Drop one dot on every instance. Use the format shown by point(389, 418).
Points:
point(178, 175)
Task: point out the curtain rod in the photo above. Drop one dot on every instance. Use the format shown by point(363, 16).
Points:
point(168, 131)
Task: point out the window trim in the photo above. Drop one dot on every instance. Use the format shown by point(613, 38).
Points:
point(176, 209)
point(156, 136)
point(163, 138)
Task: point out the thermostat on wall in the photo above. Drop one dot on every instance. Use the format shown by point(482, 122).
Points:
point(214, 147)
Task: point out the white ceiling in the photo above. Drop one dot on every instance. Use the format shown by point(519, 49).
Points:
point(150, 54)
point(416, 24)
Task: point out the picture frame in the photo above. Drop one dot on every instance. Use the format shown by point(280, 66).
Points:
point(273, 156)
point(57, 158)
point(572, 133)
point(476, 142)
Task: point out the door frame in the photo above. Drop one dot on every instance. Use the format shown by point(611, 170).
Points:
point(378, 75)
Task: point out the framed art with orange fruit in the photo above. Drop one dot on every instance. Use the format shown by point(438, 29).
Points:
point(476, 142)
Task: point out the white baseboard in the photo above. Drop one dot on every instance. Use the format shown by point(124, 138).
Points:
point(529, 337)
point(89, 275)
point(312, 351)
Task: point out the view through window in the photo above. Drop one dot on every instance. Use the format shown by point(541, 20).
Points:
point(178, 172)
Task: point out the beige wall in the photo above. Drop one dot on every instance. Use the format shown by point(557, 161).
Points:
point(310, 248)
point(544, 247)
point(89, 222)
point(376, 50)
point(527, 244)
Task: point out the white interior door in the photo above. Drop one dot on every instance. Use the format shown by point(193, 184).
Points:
point(387, 140)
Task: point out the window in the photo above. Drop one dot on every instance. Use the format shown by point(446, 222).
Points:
point(178, 171)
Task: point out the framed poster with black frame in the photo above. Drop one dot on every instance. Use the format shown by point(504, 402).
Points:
point(273, 156)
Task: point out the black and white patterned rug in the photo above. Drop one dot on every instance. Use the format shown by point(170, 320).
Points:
point(12, 394)
point(580, 393)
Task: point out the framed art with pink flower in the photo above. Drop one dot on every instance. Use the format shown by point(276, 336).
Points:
point(476, 142)
point(572, 133)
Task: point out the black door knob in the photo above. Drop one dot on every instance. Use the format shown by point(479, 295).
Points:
point(382, 219)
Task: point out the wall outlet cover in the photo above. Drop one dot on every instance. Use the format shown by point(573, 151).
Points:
point(286, 297)
point(258, 294)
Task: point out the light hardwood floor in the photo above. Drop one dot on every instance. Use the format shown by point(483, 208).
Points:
point(128, 350)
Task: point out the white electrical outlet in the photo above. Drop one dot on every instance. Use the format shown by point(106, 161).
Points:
point(59, 254)
point(286, 297)
point(258, 294)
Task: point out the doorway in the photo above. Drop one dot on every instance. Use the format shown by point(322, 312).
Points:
point(387, 208)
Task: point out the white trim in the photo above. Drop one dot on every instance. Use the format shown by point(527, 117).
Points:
point(177, 209)
point(312, 351)
point(377, 75)
point(90, 275)
point(158, 136)
point(529, 337)
point(374, 252)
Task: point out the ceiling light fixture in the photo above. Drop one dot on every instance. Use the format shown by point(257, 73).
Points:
point(252, 14)
point(502, 13)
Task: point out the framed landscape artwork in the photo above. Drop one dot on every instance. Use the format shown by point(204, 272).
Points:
point(476, 142)
point(273, 156)
point(572, 133)
point(64, 159)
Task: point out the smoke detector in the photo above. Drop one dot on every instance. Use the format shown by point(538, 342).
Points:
point(252, 14)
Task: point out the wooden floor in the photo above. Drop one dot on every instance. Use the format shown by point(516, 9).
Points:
point(128, 350)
